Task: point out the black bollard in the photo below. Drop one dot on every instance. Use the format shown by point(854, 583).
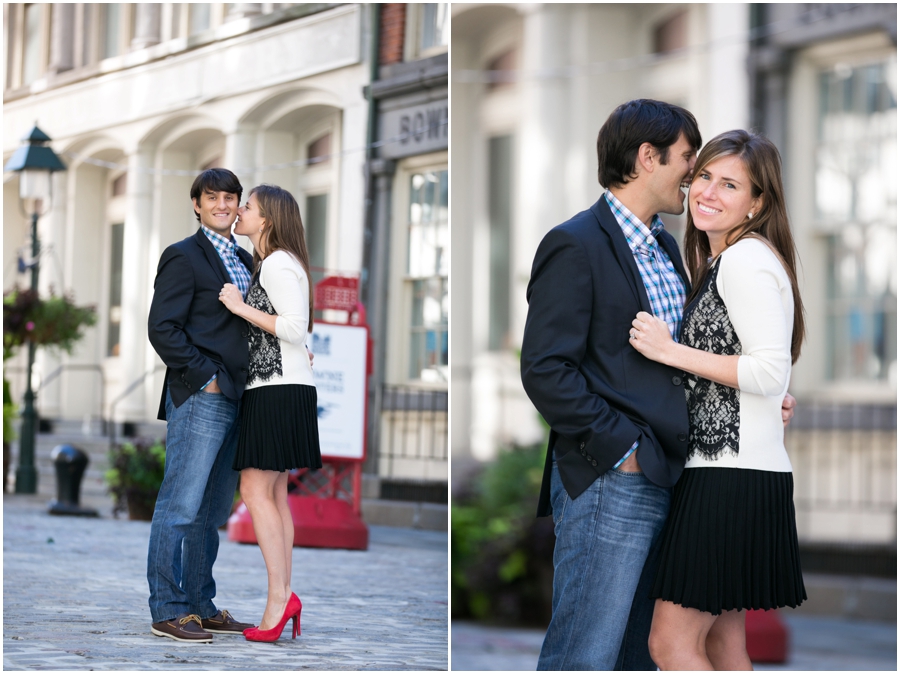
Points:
point(70, 463)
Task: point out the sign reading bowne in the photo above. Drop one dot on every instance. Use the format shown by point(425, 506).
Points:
point(339, 370)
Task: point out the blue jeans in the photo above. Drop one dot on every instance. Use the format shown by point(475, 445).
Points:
point(604, 565)
point(194, 500)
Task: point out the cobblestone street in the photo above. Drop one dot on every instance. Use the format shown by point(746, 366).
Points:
point(75, 597)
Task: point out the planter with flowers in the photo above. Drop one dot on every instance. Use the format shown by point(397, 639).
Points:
point(135, 476)
point(55, 322)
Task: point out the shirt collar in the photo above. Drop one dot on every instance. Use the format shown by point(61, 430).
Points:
point(217, 238)
point(635, 231)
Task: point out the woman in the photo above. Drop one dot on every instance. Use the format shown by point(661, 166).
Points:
point(730, 542)
point(279, 431)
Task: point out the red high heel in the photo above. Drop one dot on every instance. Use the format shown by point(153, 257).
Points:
point(292, 610)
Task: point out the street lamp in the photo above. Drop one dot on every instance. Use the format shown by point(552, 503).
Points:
point(34, 161)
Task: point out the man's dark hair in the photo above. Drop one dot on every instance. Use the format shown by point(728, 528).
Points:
point(215, 180)
point(631, 125)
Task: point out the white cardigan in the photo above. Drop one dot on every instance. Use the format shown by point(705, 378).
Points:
point(756, 291)
point(287, 286)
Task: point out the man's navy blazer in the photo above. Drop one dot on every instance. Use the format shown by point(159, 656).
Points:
point(597, 393)
point(191, 330)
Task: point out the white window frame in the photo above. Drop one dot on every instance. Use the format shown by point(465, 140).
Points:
point(412, 43)
point(810, 233)
point(399, 282)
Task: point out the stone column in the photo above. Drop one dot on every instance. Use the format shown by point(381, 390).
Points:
point(147, 24)
point(469, 262)
point(51, 228)
point(240, 158)
point(382, 171)
point(136, 282)
point(62, 38)
point(728, 85)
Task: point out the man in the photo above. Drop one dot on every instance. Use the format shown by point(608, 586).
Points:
point(619, 423)
point(205, 349)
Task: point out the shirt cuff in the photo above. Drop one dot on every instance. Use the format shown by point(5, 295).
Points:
point(216, 375)
point(627, 454)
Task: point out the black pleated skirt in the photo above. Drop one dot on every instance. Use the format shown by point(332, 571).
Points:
point(731, 542)
point(279, 429)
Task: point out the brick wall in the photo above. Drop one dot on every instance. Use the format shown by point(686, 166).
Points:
point(393, 24)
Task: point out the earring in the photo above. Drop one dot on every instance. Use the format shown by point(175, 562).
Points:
point(749, 215)
point(260, 230)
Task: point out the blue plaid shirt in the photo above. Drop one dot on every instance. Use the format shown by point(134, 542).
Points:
point(237, 272)
point(227, 250)
point(664, 285)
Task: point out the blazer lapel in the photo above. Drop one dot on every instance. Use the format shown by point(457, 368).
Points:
point(212, 256)
point(623, 253)
point(667, 241)
point(246, 258)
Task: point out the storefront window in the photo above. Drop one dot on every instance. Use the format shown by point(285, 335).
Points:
point(428, 266)
point(856, 202)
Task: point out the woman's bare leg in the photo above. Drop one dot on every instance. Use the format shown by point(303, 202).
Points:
point(678, 637)
point(726, 643)
point(287, 521)
point(258, 491)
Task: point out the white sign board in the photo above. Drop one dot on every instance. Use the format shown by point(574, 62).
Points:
point(415, 130)
point(339, 370)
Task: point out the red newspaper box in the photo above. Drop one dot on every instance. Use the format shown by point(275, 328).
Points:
point(326, 504)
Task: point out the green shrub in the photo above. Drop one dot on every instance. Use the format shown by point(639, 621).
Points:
point(136, 474)
point(10, 410)
point(501, 554)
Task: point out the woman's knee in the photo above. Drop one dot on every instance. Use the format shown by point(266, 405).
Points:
point(727, 640)
point(661, 643)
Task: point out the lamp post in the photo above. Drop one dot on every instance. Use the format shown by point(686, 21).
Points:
point(34, 161)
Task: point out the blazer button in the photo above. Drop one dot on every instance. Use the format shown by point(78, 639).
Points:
point(594, 463)
point(582, 445)
point(682, 437)
point(676, 380)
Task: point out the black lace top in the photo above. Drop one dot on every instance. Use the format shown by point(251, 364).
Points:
point(713, 409)
point(265, 350)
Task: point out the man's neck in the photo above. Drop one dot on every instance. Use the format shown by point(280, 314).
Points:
point(630, 198)
point(225, 235)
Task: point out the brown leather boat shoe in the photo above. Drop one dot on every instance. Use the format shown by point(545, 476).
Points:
point(224, 623)
point(185, 627)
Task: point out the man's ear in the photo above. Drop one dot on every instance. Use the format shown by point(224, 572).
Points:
point(646, 158)
point(196, 206)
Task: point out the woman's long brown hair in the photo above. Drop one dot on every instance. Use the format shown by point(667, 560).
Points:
point(283, 230)
point(763, 165)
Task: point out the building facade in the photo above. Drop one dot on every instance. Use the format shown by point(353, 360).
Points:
point(138, 99)
point(532, 84)
point(408, 286)
point(823, 83)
